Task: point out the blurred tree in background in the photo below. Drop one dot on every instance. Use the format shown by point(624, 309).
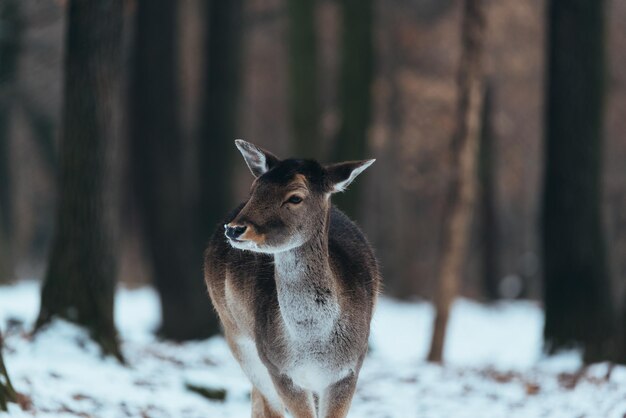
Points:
point(577, 289)
point(218, 115)
point(157, 162)
point(303, 75)
point(7, 392)
point(488, 215)
point(355, 93)
point(80, 281)
point(460, 202)
point(10, 43)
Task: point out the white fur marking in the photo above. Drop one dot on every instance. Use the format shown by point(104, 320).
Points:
point(256, 371)
point(342, 185)
point(304, 318)
point(315, 376)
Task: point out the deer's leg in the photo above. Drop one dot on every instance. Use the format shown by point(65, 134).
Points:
point(261, 407)
point(336, 399)
point(299, 402)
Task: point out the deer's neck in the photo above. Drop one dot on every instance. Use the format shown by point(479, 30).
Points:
point(307, 291)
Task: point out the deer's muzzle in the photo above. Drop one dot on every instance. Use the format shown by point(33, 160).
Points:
point(234, 231)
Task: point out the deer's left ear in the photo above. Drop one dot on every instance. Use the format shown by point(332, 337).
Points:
point(340, 175)
point(259, 161)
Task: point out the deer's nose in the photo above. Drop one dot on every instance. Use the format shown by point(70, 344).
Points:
point(234, 231)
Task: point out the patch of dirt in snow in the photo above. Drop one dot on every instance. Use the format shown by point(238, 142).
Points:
point(492, 371)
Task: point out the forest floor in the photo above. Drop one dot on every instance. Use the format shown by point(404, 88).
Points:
point(495, 367)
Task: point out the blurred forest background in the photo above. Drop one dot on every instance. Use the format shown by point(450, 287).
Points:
point(289, 76)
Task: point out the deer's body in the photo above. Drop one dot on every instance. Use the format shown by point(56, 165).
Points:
point(296, 312)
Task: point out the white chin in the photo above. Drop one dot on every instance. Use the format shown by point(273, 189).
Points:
point(253, 246)
point(249, 246)
point(243, 245)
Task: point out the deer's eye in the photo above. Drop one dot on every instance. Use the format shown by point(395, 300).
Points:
point(294, 199)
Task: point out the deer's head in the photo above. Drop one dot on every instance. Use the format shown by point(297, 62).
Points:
point(289, 199)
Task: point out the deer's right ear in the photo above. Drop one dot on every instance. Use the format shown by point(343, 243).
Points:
point(259, 161)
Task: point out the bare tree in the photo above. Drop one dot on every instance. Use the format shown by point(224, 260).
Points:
point(157, 153)
point(459, 205)
point(577, 294)
point(488, 221)
point(303, 85)
point(220, 98)
point(7, 392)
point(79, 283)
point(10, 44)
point(355, 97)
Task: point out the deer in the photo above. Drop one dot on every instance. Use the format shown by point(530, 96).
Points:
point(294, 282)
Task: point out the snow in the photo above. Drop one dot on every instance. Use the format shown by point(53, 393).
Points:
point(495, 367)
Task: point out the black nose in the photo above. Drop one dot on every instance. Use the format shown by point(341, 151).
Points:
point(234, 232)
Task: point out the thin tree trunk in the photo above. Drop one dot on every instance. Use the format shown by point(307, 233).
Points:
point(10, 44)
point(577, 294)
point(463, 157)
point(219, 107)
point(488, 214)
point(219, 112)
point(7, 392)
point(79, 283)
point(157, 164)
point(5, 258)
point(355, 97)
point(303, 85)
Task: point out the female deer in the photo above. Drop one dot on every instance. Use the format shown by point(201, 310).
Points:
point(294, 283)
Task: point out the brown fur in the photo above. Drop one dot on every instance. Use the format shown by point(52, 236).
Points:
point(253, 236)
point(260, 406)
point(338, 272)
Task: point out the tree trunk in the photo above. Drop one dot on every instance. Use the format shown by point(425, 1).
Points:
point(303, 86)
point(220, 100)
point(157, 163)
point(219, 113)
point(7, 392)
point(79, 283)
point(355, 97)
point(463, 161)
point(10, 44)
point(5, 257)
point(488, 214)
point(577, 295)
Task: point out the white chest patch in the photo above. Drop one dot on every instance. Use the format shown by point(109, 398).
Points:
point(305, 318)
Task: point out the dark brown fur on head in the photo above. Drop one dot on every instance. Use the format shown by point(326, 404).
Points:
point(287, 199)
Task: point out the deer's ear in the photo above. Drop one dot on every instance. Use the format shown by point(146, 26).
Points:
point(342, 174)
point(259, 161)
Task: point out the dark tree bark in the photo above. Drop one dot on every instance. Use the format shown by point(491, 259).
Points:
point(303, 85)
point(220, 98)
point(487, 196)
point(7, 392)
point(5, 257)
point(357, 54)
point(578, 306)
point(79, 283)
point(157, 162)
point(219, 112)
point(459, 205)
point(10, 43)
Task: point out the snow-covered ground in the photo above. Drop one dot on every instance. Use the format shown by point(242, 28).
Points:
point(495, 367)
